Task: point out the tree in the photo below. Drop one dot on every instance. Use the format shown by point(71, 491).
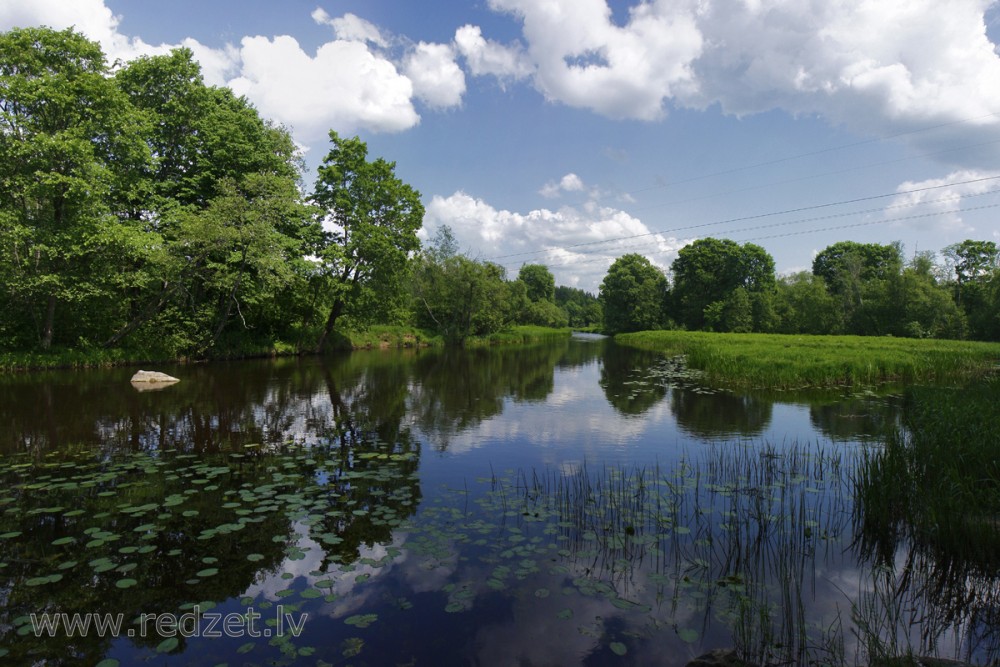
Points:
point(221, 197)
point(458, 297)
point(707, 271)
point(582, 308)
point(371, 219)
point(805, 306)
point(632, 295)
point(859, 275)
point(540, 282)
point(70, 143)
point(199, 135)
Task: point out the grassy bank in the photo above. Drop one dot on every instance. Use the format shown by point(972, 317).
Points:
point(376, 337)
point(793, 362)
point(518, 335)
point(938, 481)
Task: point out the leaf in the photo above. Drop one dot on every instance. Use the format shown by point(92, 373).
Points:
point(618, 648)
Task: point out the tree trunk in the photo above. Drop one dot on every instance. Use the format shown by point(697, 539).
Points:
point(331, 321)
point(50, 316)
point(151, 309)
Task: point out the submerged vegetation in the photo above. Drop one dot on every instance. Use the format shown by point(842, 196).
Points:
point(791, 362)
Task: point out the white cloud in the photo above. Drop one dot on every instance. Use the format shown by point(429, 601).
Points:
point(351, 28)
point(436, 78)
point(577, 244)
point(344, 86)
point(93, 19)
point(568, 183)
point(347, 84)
point(486, 57)
point(940, 201)
point(585, 60)
point(877, 67)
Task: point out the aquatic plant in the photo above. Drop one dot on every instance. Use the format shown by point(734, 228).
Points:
point(798, 361)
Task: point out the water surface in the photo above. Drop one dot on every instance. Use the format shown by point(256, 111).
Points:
point(567, 503)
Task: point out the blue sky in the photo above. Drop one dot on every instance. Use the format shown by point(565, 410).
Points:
point(569, 132)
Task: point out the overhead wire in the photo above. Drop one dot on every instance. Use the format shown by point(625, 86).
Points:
point(752, 217)
point(779, 161)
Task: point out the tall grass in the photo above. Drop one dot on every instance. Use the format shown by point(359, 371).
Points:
point(794, 362)
point(930, 498)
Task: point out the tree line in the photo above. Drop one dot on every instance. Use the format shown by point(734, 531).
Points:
point(143, 210)
point(867, 289)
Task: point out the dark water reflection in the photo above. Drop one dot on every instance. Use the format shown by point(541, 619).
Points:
point(566, 503)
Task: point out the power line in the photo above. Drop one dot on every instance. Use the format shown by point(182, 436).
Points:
point(869, 223)
point(749, 217)
point(821, 151)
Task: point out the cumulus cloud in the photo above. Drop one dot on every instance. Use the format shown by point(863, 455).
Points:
point(437, 79)
point(93, 19)
point(578, 244)
point(876, 67)
point(345, 85)
point(362, 78)
point(582, 58)
point(568, 183)
point(940, 201)
point(351, 28)
point(486, 57)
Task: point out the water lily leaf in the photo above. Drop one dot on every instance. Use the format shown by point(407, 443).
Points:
point(688, 635)
point(618, 648)
point(167, 645)
point(126, 583)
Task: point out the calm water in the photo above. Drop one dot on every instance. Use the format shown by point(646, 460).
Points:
point(561, 504)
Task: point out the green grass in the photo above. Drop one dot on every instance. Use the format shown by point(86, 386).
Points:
point(519, 334)
point(384, 337)
point(793, 362)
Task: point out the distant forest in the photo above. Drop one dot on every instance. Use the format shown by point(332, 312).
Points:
point(144, 211)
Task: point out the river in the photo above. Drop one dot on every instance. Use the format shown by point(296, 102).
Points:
point(568, 503)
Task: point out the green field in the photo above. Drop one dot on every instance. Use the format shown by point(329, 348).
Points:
point(798, 361)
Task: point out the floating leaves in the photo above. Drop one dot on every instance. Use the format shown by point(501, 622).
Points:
point(361, 620)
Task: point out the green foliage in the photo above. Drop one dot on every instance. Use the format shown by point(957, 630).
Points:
point(708, 271)
point(804, 305)
point(632, 295)
point(540, 282)
point(937, 483)
point(583, 309)
point(70, 141)
point(458, 297)
point(787, 362)
point(370, 219)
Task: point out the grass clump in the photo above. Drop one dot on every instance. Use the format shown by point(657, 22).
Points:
point(796, 361)
point(526, 333)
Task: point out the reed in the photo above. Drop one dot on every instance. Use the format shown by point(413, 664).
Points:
point(794, 362)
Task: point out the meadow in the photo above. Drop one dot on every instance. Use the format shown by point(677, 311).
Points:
point(779, 361)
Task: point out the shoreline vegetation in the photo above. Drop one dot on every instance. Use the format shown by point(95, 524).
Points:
point(781, 361)
point(375, 337)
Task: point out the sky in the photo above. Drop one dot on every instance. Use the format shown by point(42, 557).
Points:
point(570, 132)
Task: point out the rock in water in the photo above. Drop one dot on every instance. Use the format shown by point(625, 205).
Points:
point(153, 376)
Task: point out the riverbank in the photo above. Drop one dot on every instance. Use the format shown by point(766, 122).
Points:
point(378, 337)
point(780, 361)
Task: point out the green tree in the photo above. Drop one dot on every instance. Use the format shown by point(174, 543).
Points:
point(371, 220)
point(583, 309)
point(540, 282)
point(70, 144)
point(458, 297)
point(859, 275)
point(199, 135)
point(805, 306)
point(707, 271)
point(221, 197)
point(632, 295)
